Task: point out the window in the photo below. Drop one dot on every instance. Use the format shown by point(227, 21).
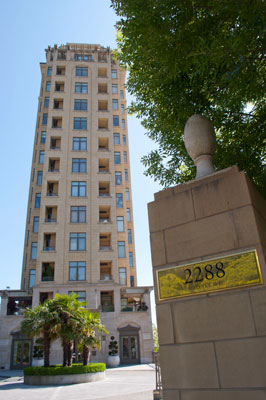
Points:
point(115, 120)
point(77, 214)
point(49, 71)
point(114, 74)
point(79, 165)
point(122, 109)
point(121, 94)
point(130, 256)
point(81, 71)
point(117, 157)
point(115, 104)
point(37, 200)
point(43, 137)
point(119, 200)
point(32, 277)
point(81, 88)
point(78, 189)
point(33, 254)
point(80, 105)
point(122, 276)
point(125, 157)
point(128, 215)
point(123, 124)
point(77, 270)
point(48, 86)
point(126, 175)
point(85, 57)
point(81, 295)
point(114, 88)
point(46, 102)
point(35, 227)
point(77, 242)
point(44, 119)
point(124, 140)
point(129, 236)
point(127, 194)
point(120, 224)
point(41, 157)
point(132, 281)
point(80, 123)
point(39, 178)
point(79, 144)
point(121, 249)
point(116, 138)
point(118, 178)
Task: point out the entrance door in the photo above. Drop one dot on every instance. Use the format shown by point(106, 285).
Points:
point(21, 354)
point(129, 349)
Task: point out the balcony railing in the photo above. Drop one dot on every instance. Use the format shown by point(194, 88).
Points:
point(47, 278)
point(109, 308)
point(135, 307)
point(53, 170)
point(104, 194)
point(104, 220)
point(52, 194)
point(50, 248)
point(105, 248)
point(50, 220)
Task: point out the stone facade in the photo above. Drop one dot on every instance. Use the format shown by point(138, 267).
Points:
point(212, 346)
point(79, 230)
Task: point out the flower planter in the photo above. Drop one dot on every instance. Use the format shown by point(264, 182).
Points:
point(46, 380)
point(37, 362)
point(113, 361)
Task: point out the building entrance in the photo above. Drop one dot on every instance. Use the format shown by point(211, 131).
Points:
point(129, 345)
point(21, 352)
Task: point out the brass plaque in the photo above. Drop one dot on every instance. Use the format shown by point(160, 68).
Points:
point(207, 276)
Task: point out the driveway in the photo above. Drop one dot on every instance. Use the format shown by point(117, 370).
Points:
point(124, 383)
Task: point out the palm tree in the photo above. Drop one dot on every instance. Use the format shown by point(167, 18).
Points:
point(91, 329)
point(42, 322)
point(67, 308)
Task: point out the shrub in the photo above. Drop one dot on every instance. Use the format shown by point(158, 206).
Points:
point(59, 370)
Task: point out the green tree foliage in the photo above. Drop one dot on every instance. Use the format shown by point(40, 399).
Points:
point(64, 317)
point(41, 322)
point(190, 57)
point(155, 337)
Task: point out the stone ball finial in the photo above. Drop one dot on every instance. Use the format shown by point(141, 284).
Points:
point(200, 142)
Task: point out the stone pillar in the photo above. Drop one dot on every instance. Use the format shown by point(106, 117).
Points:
point(213, 344)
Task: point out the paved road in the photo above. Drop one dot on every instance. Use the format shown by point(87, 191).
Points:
point(124, 383)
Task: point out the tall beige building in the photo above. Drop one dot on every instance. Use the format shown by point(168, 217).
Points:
point(79, 230)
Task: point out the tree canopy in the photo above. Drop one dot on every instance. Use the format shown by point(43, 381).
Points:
point(64, 317)
point(189, 57)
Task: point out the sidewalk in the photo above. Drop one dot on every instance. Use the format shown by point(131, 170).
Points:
point(124, 383)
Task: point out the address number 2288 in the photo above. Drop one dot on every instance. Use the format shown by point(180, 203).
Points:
point(198, 274)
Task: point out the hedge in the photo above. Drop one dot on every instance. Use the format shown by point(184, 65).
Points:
point(59, 370)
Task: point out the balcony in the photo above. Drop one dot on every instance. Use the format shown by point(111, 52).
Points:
point(132, 300)
point(102, 72)
point(104, 189)
point(107, 301)
point(103, 124)
point(57, 122)
point(59, 86)
point(55, 143)
point(49, 242)
point(17, 305)
point(103, 144)
point(54, 165)
point(102, 88)
point(48, 271)
point(106, 271)
point(104, 214)
point(60, 70)
point(52, 189)
point(103, 166)
point(58, 104)
point(102, 105)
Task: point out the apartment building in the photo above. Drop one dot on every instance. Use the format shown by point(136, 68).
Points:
point(79, 229)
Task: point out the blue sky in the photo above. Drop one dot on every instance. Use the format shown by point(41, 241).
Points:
point(27, 28)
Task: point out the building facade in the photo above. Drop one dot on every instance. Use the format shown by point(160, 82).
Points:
point(79, 229)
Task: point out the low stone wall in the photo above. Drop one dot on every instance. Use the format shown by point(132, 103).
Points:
point(47, 380)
